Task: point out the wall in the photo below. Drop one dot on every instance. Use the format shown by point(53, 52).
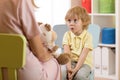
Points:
point(44, 13)
point(60, 7)
point(52, 11)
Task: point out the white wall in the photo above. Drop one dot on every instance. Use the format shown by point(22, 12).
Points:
point(60, 7)
point(52, 11)
point(44, 13)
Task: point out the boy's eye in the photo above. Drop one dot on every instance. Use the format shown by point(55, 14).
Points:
point(75, 20)
point(69, 20)
point(72, 20)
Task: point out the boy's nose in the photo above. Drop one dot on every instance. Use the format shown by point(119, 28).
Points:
point(72, 22)
point(71, 27)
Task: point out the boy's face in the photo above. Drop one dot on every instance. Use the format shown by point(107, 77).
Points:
point(75, 25)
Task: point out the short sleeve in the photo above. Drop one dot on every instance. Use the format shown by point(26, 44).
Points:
point(27, 18)
point(66, 39)
point(88, 42)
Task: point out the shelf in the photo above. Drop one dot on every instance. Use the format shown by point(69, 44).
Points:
point(107, 76)
point(101, 14)
point(107, 45)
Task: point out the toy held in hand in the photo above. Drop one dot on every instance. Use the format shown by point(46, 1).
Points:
point(48, 37)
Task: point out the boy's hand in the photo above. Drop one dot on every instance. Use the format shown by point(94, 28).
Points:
point(73, 72)
point(69, 72)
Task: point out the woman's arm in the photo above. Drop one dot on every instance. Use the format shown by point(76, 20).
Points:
point(38, 49)
point(31, 31)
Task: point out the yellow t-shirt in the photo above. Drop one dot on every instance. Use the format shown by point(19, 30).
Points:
point(77, 43)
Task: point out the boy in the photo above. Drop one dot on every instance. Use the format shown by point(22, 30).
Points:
point(78, 42)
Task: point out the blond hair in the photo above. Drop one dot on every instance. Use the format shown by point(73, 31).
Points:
point(79, 12)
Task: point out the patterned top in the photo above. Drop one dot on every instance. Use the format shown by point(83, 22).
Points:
point(77, 43)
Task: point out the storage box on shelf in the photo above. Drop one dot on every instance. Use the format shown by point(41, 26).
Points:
point(104, 62)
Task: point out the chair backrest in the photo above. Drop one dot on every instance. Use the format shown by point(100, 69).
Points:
point(94, 29)
point(60, 29)
point(12, 53)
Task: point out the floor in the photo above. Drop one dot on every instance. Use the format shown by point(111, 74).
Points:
point(97, 78)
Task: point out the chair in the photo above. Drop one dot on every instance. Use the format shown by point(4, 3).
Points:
point(60, 30)
point(94, 29)
point(12, 54)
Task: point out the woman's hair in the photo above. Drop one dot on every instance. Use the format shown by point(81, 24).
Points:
point(33, 3)
point(80, 13)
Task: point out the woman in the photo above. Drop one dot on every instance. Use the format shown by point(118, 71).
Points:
point(17, 17)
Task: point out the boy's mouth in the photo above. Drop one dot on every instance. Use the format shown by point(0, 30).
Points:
point(71, 29)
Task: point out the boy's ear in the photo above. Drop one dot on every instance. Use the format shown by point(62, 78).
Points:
point(86, 23)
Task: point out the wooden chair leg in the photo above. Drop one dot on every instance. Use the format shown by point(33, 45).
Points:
point(0, 74)
point(12, 74)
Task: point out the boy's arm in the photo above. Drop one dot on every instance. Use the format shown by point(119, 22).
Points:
point(67, 50)
point(82, 58)
point(69, 68)
point(80, 62)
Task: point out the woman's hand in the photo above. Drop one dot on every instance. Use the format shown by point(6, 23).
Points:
point(48, 55)
point(39, 50)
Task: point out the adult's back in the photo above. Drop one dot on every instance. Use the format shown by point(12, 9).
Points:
point(17, 17)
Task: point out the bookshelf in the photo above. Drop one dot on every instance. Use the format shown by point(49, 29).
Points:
point(106, 20)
